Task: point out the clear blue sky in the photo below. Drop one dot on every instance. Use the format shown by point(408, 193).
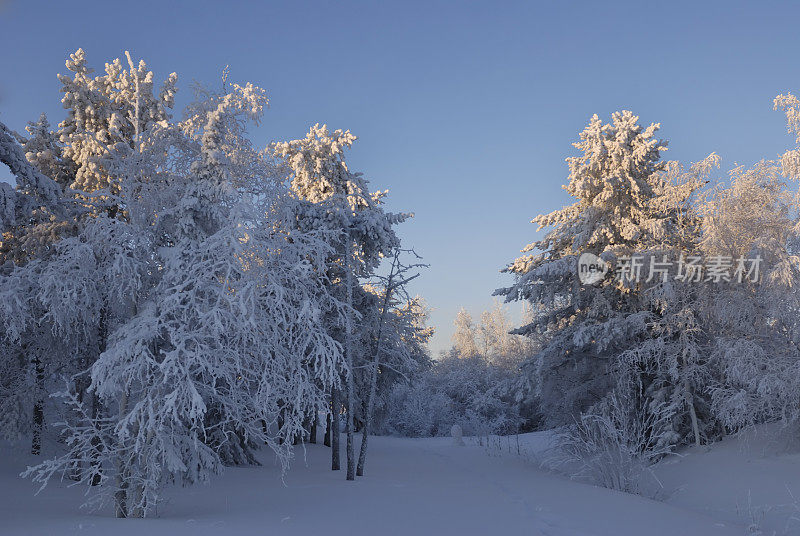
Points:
point(465, 111)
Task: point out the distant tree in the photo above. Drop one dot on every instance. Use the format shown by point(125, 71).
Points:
point(464, 336)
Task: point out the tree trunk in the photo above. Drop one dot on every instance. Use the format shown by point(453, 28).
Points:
point(312, 434)
point(351, 466)
point(351, 462)
point(96, 446)
point(335, 405)
point(38, 408)
point(139, 498)
point(687, 393)
point(102, 335)
point(120, 498)
point(362, 453)
point(327, 439)
point(373, 381)
point(692, 413)
point(121, 493)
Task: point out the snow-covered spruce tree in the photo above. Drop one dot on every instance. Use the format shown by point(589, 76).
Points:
point(338, 200)
point(229, 317)
point(668, 372)
point(582, 327)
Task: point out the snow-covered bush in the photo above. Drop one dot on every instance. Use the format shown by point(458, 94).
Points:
point(614, 444)
point(471, 392)
point(415, 411)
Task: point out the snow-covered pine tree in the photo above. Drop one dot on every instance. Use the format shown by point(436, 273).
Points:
point(614, 181)
point(668, 372)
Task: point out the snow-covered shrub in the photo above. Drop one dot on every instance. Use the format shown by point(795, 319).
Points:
point(613, 445)
point(471, 392)
point(417, 412)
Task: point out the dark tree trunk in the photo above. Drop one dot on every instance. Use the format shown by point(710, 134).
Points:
point(301, 437)
point(312, 434)
point(362, 453)
point(335, 406)
point(120, 502)
point(96, 446)
point(38, 409)
point(121, 493)
point(327, 440)
point(351, 466)
point(96, 469)
point(351, 462)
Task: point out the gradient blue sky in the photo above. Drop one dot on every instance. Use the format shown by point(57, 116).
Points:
point(465, 110)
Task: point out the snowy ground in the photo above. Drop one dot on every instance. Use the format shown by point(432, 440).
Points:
point(752, 479)
point(413, 486)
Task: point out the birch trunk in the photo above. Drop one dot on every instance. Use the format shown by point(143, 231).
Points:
point(373, 383)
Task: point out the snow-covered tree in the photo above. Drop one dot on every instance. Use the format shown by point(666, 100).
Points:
point(668, 370)
point(339, 201)
point(468, 391)
point(615, 181)
point(754, 318)
point(396, 339)
point(35, 194)
point(33, 217)
point(211, 301)
point(106, 110)
point(490, 338)
point(464, 335)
